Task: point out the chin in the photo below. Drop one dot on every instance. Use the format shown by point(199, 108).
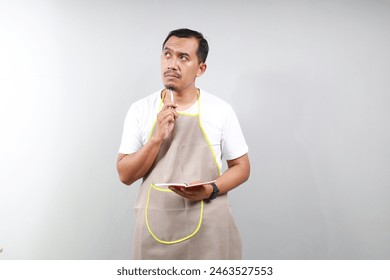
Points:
point(170, 87)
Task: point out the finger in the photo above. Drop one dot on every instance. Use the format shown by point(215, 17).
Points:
point(183, 192)
point(178, 191)
point(192, 191)
point(166, 119)
point(170, 112)
point(169, 105)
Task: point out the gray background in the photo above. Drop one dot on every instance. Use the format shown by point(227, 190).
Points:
point(309, 81)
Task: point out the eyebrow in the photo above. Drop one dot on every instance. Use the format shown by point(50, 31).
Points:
point(180, 53)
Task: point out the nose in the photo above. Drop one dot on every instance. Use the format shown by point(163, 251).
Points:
point(172, 65)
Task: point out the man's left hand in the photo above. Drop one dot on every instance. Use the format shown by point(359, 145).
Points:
point(193, 193)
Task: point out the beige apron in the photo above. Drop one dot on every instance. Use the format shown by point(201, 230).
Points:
point(169, 226)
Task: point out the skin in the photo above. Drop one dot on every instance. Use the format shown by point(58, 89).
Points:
point(179, 69)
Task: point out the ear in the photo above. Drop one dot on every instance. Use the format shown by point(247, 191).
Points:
point(201, 69)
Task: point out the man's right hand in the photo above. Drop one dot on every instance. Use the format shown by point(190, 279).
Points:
point(132, 167)
point(166, 119)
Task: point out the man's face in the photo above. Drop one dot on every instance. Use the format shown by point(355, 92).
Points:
point(179, 63)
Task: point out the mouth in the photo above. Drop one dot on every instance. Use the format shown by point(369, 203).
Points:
point(170, 74)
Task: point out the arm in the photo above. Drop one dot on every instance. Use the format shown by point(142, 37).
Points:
point(237, 173)
point(132, 167)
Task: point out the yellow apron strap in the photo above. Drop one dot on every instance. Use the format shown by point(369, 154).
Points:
point(167, 190)
point(200, 125)
point(174, 241)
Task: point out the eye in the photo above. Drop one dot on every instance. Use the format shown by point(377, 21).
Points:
point(167, 54)
point(184, 57)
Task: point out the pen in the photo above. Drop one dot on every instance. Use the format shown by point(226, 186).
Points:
point(172, 96)
point(172, 99)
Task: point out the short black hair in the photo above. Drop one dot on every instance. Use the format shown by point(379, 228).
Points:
point(203, 46)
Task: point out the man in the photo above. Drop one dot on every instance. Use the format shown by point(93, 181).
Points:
point(180, 135)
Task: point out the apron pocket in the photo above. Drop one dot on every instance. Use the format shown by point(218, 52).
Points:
point(169, 218)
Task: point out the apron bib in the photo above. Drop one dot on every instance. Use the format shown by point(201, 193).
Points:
point(169, 226)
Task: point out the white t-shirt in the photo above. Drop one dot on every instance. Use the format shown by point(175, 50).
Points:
point(218, 119)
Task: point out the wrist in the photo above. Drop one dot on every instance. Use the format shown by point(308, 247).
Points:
point(156, 140)
point(215, 191)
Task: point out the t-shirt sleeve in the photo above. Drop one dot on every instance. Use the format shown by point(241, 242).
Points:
point(131, 138)
point(233, 140)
